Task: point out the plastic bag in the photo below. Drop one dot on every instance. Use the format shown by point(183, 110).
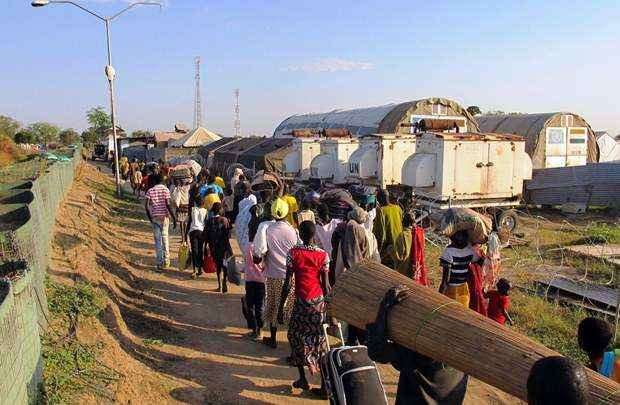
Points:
point(208, 264)
point(477, 225)
point(183, 255)
point(234, 268)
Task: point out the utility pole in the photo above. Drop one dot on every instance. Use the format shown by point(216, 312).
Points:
point(109, 70)
point(237, 122)
point(197, 98)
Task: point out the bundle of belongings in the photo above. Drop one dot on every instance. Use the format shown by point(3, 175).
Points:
point(477, 225)
point(182, 174)
point(264, 179)
point(339, 202)
point(363, 195)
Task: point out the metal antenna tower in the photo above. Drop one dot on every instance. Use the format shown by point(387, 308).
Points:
point(237, 122)
point(197, 99)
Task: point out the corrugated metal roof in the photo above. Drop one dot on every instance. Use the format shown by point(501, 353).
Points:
point(531, 126)
point(365, 121)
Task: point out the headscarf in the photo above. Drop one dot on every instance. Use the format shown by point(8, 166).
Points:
point(359, 215)
point(243, 221)
point(279, 209)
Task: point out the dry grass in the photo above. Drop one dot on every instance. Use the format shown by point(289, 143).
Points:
point(9, 152)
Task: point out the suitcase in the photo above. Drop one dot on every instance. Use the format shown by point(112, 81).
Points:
point(350, 377)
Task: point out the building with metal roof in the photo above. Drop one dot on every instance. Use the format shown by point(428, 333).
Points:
point(437, 113)
point(195, 138)
point(555, 139)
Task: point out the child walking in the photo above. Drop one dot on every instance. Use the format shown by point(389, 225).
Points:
point(499, 302)
point(254, 290)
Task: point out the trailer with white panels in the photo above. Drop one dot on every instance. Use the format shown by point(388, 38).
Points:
point(475, 170)
point(331, 165)
point(296, 164)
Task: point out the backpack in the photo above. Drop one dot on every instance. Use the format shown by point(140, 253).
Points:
point(609, 360)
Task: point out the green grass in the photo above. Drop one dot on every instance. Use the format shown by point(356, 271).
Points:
point(153, 342)
point(603, 233)
point(70, 366)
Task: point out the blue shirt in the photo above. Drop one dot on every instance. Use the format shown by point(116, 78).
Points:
point(212, 188)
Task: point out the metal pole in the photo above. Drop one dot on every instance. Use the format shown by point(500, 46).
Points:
point(110, 75)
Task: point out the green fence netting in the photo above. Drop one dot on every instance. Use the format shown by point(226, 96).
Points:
point(30, 193)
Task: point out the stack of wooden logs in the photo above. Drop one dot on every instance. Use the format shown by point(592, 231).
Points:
point(440, 328)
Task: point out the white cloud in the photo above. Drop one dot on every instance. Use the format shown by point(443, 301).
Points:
point(331, 65)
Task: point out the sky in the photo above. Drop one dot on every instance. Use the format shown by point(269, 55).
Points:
point(308, 56)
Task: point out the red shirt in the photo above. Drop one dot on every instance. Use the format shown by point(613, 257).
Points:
point(307, 263)
point(497, 303)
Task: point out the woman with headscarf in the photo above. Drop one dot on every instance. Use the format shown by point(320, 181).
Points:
point(243, 218)
point(279, 238)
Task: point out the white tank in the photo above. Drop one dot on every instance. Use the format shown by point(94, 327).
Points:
point(468, 167)
point(297, 163)
point(380, 158)
point(332, 163)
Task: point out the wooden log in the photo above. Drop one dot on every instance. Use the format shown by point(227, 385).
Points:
point(438, 327)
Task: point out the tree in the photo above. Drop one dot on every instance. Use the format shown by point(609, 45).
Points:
point(24, 136)
point(8, 127)
point(89, 137)
point(99, 121)
point(44, 132)
point(474, 110)
point(68, 136)
point(141, 134)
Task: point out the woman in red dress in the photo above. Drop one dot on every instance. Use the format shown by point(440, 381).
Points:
point(309, 266)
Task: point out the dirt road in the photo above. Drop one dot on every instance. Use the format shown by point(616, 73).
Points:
point(174, 339)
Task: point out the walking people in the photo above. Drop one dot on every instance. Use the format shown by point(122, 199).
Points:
point(217, 239)
point(408, 252)
point(307, 268)
point(242, 222)
point(291, 217)
point(422, 380)
point(595, 337)
point(254, 290)
point(455, 261)
point(272, 248)
point(180, 202)
point(499, 302)
point(195, 227)
point(159, 212)
point(387, 226)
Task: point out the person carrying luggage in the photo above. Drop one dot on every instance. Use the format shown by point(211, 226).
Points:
point(422, 379)
point(308, 265)
point(217, 238)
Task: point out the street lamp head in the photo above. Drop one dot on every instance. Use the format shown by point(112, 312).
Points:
point(40, 3)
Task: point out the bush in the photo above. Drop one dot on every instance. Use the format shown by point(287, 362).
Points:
point(9, 152)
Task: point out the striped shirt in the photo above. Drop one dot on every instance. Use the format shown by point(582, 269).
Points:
point(458, 260)
point(158, 197)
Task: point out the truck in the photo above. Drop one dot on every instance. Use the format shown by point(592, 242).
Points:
point(475, 170)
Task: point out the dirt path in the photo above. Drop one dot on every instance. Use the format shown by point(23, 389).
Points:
point(174, 339)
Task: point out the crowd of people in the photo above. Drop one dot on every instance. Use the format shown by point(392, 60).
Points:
point(296, 246)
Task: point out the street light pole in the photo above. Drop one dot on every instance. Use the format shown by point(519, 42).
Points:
point(109, 70)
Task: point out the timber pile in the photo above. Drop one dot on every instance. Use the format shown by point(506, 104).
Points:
point(439, 327)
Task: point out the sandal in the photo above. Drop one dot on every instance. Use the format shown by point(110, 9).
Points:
point(267, 341)
point(303, 385)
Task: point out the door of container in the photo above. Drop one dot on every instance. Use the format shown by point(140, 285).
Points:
point(500, 168)
point(577, 146)
point(470, 159)
point(555, 147)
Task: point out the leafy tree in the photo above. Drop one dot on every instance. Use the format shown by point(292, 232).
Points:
point(44, 132)
point(68, 136)
point(500, 112)
point(141, 133)
point(8, 127)
point(24, 136)
point(89, 137)
point(99, 120)
point(474, 110)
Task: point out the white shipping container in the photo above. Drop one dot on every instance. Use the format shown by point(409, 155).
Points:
point(297, 162)
point(380, 159)
point(468, 166)
point(333, 161)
